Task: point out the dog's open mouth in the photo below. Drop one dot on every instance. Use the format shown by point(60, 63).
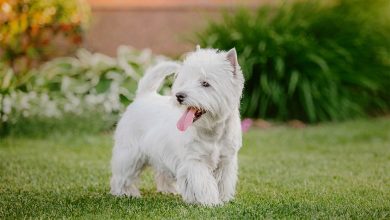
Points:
point(190, 116)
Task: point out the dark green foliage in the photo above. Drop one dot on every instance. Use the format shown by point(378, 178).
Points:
point(310, 61)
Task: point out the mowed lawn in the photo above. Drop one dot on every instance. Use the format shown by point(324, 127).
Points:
point(333, 170)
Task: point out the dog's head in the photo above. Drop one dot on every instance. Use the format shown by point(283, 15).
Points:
point(209, 85)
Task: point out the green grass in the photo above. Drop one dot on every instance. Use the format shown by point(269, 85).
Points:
point(326, 171)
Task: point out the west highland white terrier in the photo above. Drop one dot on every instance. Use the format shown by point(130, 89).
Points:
point(191, 138)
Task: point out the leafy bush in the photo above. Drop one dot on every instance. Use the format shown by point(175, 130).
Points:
point(87, 86)
point(308, 60)
point(31, 29)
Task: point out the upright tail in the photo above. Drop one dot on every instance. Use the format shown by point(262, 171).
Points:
point(154, 77)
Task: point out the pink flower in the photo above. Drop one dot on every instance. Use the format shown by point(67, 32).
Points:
point(246, 124)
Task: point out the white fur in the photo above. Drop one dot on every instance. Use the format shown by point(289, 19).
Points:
point(200, 163)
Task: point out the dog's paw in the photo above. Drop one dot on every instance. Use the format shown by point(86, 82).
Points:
point(206, 202)
point(211, 203)
point(211, 199)
point(170, 190)
point(227, 198)
point(130, 191)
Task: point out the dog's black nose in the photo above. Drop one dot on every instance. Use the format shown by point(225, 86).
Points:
point(180, 97)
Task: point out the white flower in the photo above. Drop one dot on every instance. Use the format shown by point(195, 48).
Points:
point(78, 78)
point(4, 118)
point(7, 105)
point(25, 101)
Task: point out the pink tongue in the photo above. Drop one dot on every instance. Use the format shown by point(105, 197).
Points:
point(186, 119)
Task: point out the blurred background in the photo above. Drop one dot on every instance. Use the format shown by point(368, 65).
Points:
point(74, 65)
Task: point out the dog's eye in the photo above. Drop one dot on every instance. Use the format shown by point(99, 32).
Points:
point(205, 84)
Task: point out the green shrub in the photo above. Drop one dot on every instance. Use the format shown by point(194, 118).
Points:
point(32, 30)
point(308, 60)
point(89, 90)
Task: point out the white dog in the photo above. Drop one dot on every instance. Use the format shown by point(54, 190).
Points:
point(191, 138)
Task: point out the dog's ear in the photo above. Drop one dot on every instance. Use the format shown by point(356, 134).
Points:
point(231, 56)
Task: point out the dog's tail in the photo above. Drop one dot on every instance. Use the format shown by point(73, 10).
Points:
point(155, 76)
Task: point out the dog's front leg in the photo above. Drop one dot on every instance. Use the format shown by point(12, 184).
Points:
point(197, 184)
point(226, 175)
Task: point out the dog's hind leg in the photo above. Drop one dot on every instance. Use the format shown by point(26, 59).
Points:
point(126, 164)
point(165, 181)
